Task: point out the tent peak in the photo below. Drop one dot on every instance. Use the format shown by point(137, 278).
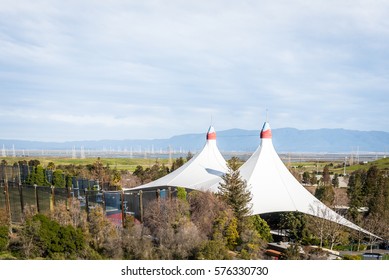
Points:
point(211, 134)
point(266, 131)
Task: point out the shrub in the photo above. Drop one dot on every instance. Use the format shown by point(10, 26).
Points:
point(352, 257)
point(52, 240)
point(4, 238)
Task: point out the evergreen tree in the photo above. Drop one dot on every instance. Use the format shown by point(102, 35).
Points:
point(189, 156)
point(261, 226)
point(306, 177)
point(295, 222)
point(59, 179)
point(140, 173)
point(177, 163)
point(326, 176)
point(335, 181)
point(376, 192)
point(39, 179)
point(233, 190)
point(313, 179)
point(325, 194)
point(181, 193)
point(355, 192)
point(50, 166)
point(116, 178)
point(69, 181)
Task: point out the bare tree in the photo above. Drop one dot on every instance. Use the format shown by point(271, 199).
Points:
point(318, 225)
point(136, 241)
point(327, 227)
point(377, 225)
point(104, 235)
point(335, 234)
point(205, 207)
point(175, 235)
point(70, 214)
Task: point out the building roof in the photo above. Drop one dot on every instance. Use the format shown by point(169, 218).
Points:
point(275, 189)
point(199, 173)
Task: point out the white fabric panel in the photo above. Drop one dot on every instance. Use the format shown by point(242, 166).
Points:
point(204, 168)
point(275, 189)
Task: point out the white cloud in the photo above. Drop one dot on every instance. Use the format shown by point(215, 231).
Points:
point(164, 68)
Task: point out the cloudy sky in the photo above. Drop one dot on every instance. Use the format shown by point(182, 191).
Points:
point(84, 70)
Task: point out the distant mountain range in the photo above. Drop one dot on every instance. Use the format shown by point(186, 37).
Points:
point(232, 140)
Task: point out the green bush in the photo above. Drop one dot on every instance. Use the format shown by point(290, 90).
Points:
point(352, 257)
point(4, 238)
point(56, 241)
point(353, 247)
point(181, 193)
point(7, 256)
point(213, 250)
point(262, 228)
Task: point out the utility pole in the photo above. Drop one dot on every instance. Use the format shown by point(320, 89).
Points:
point(345, 163)
point(141, 205)
point(6, 192)
point(20, 189)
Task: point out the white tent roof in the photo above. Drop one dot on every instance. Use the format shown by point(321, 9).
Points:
point(275, 189)
point(203, 169)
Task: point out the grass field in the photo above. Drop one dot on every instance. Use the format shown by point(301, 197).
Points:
point(120, 163)
point(131, 163)
point(382, 164)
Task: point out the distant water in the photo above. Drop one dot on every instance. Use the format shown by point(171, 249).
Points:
point(286, 157)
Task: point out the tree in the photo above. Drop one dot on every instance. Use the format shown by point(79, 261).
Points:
point(327, 229)
point(175, 236)
point(251, 243)
point(325, 194)
point(177, 163)
point(233, 190)
point(116, 178)
point(4, 229)
point(59, 179)
point(70, 214)
point(33, 163)
point(48, 239)
point(335, 181)
point(105, 237)
point(377, 225)
point(214, 249)
point(205, 208)
point(318, 225)
point(51, 166)
point(326, 176)
point(336, 234)
point(39, 178)
point(181, 193)
point(189, 156)
point(150, 174)
point(69, 181)
point(355, 193)
point(261, 226)
point(99, 172)
point(4, 237)
point(369, 188)
point(139, 172)
point(376, 189)
point(293, 252)
point(313, 180)
point(306, 177)
point(232, 234)
point(295, 222)
point(136, 241)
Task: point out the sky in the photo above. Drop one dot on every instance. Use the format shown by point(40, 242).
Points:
point(92, 70)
